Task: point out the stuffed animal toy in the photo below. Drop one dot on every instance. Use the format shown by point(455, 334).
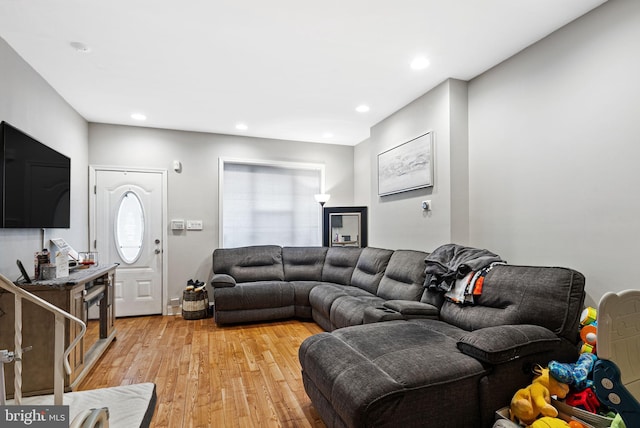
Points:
point(547, 422)
point(534, 400)
point(574, 375)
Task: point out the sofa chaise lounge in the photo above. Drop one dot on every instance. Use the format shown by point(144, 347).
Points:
point(397, 353)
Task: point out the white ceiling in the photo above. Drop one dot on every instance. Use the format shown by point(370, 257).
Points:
point(288, 69)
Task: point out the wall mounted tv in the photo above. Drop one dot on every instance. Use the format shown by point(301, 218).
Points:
point(35, 182)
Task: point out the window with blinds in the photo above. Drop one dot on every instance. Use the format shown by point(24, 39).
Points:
point(265, 204)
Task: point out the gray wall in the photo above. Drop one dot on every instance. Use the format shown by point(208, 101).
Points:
point(398, 221)
point(30, 104)
point(362, 174)
point(554, 149)
point(536, 159)
point(193, 193)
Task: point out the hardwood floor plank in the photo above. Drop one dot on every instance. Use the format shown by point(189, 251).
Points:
point(210, 376)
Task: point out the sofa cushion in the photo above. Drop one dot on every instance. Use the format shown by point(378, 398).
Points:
point(301, 291)
point(370, 268)
point(223, 280)
point(255, 295)
point(397, 371)
point(404, 276)
point(253, 315)
point(379, 314)
point(497, 345)
point(323, 295)
point(349, 310)
point(413, 309)
point(339, 264)
point(546, 296)
point(247, 264)
point(303, 263)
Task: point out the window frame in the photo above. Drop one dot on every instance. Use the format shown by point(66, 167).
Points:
point(268, 163)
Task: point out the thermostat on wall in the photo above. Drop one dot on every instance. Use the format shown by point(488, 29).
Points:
point(177, 224)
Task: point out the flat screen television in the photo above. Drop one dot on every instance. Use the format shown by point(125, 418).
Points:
point(35, 182)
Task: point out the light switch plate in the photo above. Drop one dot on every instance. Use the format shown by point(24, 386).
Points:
point(177, 224)
point(194, 224)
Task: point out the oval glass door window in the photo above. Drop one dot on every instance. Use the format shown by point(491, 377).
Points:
point(129, 227)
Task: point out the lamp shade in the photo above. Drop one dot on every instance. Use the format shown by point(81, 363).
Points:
point(322, 198)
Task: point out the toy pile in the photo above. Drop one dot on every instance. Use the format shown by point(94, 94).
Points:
point(575, 404)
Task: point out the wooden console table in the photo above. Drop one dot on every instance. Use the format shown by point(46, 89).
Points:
point(74, 294)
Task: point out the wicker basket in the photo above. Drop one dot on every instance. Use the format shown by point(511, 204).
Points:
point(195, 305)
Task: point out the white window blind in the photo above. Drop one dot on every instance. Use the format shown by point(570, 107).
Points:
point(270, 204)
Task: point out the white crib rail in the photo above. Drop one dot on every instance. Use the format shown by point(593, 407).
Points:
point(60, 356)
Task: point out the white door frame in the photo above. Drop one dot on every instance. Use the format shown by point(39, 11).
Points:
point(93, 169)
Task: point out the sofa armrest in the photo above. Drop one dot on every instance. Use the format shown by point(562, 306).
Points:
point(221, 280)
point(412, 309)
point(499, 344)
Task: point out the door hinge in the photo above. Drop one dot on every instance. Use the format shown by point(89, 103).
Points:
point(95, 190)
point(95, 244)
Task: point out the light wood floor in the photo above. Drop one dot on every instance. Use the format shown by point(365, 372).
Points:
point(209, 376)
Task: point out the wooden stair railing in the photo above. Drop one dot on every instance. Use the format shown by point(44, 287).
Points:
point(60, 356)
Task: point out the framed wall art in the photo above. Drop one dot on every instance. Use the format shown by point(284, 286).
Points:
point(406, 167)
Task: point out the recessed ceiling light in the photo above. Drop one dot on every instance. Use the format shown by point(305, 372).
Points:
point(138, 116)
point(242, 126)
point(327, 135)
point(80, 47)
point(362, 108)
point(420, 63)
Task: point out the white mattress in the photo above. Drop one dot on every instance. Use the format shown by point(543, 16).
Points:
point(129, 405)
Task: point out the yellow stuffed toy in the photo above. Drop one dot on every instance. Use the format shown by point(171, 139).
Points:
point(535, 400)
point(547, 422)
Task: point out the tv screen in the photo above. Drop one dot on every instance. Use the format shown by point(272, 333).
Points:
point(35, 182)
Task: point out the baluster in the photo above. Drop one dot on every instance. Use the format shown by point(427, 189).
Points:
point(59, 360)
point(17, 378)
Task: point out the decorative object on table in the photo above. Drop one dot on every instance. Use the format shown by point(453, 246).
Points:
point(88, 258)
point(406, 167)
point(195, 301)
point(40, 258)
point(61, 258)
point(62, 245)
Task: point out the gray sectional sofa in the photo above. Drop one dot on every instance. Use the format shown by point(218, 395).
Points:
point(394, 352)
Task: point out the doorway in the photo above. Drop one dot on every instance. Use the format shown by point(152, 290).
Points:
point(127, 213)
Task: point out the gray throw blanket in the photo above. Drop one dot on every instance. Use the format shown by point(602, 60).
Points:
point(452, 261)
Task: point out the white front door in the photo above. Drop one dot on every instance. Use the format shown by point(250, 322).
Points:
point(127, 215)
